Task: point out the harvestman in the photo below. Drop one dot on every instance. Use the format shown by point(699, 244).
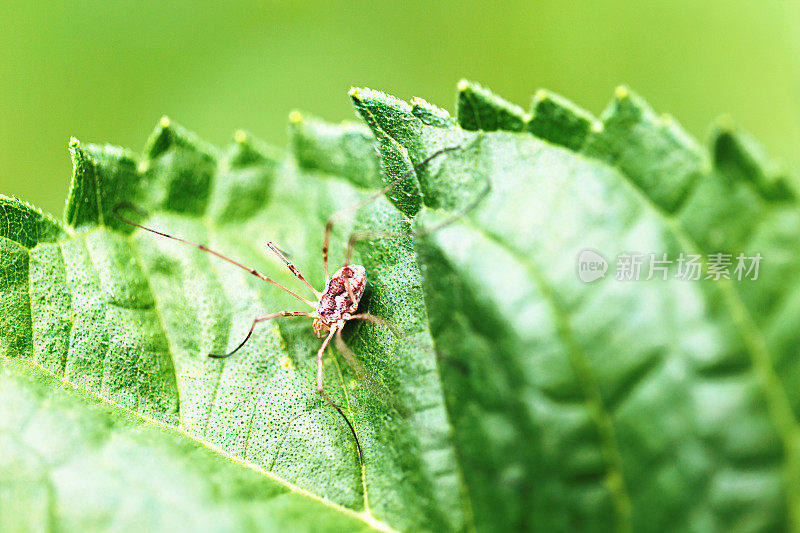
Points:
point(335, 305)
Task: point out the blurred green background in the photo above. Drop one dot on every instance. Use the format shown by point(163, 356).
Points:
point(107, 71)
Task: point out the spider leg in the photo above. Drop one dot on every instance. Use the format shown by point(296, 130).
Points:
point(325, 243)
point(253, 325)
point(348, 288)
point(321, 390)
point(202, 247)
point(332, 220)
point(374, 385)
point(462, 213)
point(358, 236)
point(398, 332)
point(293, 268)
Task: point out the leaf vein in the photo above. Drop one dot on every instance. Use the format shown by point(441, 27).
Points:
point(586, 378)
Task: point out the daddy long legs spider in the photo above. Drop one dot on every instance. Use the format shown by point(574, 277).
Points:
point(335, 305)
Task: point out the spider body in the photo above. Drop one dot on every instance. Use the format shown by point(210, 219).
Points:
point(340, 298)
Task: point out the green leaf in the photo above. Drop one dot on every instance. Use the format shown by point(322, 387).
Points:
point(656, 405)
point(547, 403)
point(130, 318)
point(74, 461)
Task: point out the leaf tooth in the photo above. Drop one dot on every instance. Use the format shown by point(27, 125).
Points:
point(248, 151)
point(178, 169)
point(102, 177)
point(737, 155)
point(82, 202)
point(365, 94)
point(558, 120)
point(346, 149)
point(431, 114)
point(386, 114)
point(478, 108)
point(26, 224)
point(627, 104)
point(242, 181)
point(159, 140)
point(399, 134)
point(168, 135)
point(656, 155)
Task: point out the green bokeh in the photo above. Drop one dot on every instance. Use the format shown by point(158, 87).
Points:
point(106, 72)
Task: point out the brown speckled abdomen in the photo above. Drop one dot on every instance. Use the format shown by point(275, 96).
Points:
point(335, 300)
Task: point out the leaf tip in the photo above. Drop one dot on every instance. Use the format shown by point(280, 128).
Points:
point(26, 224)
point(371, 97)
point(463, 85)
point(169, 135)
point(621, 92)
point(159, 140)
point(240, 136)
point(355, 93)
point(76, 154)
point(724, 125)
point(295, 117)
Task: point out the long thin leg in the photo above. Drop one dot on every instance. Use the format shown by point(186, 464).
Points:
point(321, 390)
point(374, 385)
point(359, 205)
point(397, 331)
point(253, 325)
point(205, 249)
point(472, 205)
point(358, 236)
point(363, 235)
point(325, 242)
point(400, 334)
point(381, 322)
point(293, 268)
point(349, 288)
